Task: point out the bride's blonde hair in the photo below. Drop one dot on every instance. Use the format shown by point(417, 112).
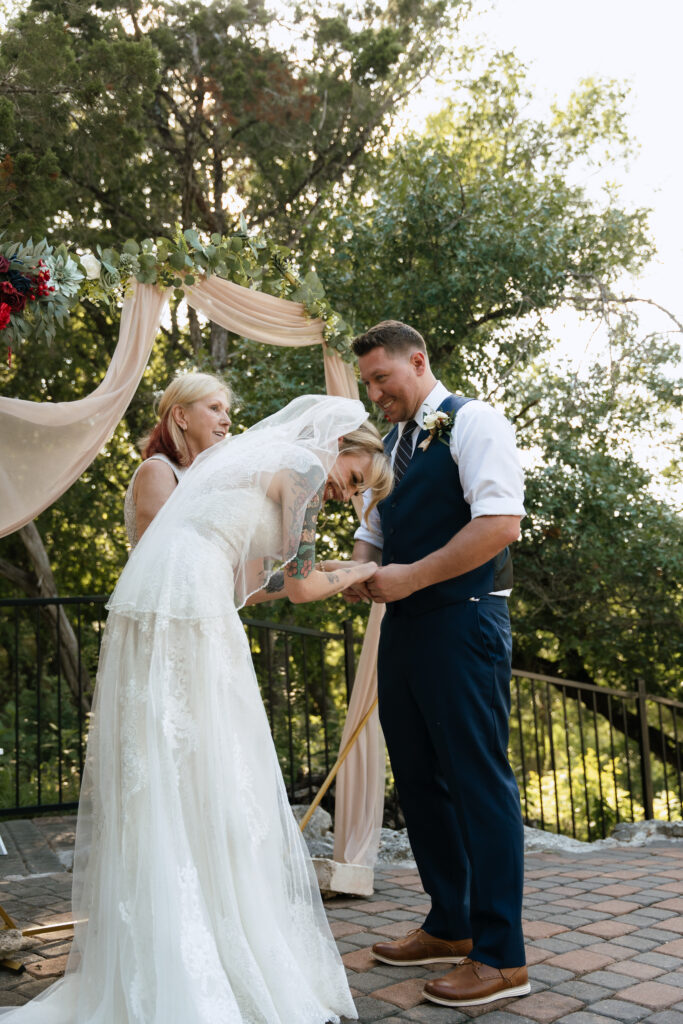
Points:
point(365, 440)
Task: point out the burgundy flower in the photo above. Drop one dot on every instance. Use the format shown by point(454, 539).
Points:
point(5, 313)
point(4, 264)
point(11, 297)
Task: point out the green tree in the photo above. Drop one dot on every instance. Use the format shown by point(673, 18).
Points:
point(125, 118)
point(599, 595)
point(475, 232)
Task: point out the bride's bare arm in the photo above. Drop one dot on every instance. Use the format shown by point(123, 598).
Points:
point(316, 586)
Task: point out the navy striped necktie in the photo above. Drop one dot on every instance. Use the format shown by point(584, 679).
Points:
point(404, 451)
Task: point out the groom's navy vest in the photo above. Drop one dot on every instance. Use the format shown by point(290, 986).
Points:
point(423, 512)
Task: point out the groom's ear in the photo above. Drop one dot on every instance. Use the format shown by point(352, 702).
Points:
point(418, 361)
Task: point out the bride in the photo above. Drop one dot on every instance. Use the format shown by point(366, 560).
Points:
point(198, 899)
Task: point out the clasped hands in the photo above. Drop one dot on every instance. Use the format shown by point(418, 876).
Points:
point(382, 584)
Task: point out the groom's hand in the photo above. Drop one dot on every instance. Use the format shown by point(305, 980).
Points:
point(362, 552)
point(358, 592)
point(391, 583)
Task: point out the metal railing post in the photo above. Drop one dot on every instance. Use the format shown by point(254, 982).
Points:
point(645, 763)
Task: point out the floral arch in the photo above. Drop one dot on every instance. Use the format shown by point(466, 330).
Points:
point(246, 285)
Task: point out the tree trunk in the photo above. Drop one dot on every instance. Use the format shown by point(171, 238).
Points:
point(219, 346)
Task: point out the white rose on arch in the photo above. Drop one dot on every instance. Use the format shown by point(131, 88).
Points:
point(91, 265)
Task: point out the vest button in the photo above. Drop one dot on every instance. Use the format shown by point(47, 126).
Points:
point(392, 529)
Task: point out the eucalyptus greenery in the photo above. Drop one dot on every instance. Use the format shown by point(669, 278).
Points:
point(252, 261)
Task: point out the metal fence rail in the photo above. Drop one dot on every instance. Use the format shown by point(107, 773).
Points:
point(586, 757)
point(49, 649)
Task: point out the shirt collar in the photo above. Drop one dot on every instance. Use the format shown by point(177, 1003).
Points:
point(431, 403)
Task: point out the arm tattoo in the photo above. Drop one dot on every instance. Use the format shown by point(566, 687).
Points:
point(276, 583)
point(303, 563)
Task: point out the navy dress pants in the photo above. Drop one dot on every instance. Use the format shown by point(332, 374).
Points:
point(444, 704)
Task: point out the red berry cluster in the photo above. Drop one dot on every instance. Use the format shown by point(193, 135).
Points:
point(40, 283)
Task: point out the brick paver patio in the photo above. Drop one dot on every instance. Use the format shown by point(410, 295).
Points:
point(604, 936)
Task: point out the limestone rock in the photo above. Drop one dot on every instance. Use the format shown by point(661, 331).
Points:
point(394, 848)
point(350, 879)
point(319, 825)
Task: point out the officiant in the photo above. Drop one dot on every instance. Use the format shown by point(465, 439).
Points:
point(444, 664)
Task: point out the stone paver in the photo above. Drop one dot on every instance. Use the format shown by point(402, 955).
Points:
point(655, 994)
point(604, 934)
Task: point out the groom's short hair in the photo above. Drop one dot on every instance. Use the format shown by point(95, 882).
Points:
point(396, 337)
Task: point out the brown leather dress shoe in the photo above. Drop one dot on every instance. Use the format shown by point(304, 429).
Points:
point(473, 983)
point(418, 947)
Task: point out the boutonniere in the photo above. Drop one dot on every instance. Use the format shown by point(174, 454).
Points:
point(439, 425)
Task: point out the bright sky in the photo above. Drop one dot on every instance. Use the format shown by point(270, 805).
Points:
point(630, 40)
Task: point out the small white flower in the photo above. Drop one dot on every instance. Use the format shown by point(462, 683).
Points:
point(437, 424)
point(91, 265)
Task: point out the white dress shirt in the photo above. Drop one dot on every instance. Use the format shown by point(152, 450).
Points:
point(483, 447)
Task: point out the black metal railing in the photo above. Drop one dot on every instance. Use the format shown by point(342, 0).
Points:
point(588, 757)
point(49, 649)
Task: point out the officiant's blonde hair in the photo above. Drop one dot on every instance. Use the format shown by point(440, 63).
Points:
point(166, 437)
point(366, 440)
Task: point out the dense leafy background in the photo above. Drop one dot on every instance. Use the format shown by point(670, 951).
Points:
point(119, 121)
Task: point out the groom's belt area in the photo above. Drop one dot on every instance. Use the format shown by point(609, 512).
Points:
point(408, 609)
point(484, 581)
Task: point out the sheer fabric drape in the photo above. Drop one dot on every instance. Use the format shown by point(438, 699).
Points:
point(46, 446)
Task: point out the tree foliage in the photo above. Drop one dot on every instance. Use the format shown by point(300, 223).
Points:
point(476, 232)
point(126, 120)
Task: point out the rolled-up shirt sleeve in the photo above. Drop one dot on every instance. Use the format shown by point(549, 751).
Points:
point(370, 531)
point(483, 446)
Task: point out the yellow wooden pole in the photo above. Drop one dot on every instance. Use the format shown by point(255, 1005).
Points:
point(336, 766)
point(6, 918)
point(43, 929)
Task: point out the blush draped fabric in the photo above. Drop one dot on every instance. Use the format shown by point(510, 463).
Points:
point(46, 446)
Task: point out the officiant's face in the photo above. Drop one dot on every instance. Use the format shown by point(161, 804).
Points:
point(394, 382)
point(205, 422)
point(348, 476)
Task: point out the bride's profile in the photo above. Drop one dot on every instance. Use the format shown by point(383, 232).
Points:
point(198, 900)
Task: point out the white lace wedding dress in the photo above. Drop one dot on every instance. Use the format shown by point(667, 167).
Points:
point(201, 903)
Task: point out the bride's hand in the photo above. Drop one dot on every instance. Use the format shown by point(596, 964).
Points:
point(365, 570)
point(356, 589)
point(331, 565)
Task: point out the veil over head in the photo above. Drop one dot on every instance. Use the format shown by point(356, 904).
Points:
point(237, 514)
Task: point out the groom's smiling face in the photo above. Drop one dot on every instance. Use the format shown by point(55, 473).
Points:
point(395, 383)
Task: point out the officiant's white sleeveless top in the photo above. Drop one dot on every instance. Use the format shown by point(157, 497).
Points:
point(129, 507)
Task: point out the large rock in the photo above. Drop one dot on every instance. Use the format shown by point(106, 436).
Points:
point(394, 848)
point(640, 833)
point(350, 879)
point(319, 838)
point(319, 825)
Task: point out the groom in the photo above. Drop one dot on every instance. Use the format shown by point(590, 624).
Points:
point(444, 664)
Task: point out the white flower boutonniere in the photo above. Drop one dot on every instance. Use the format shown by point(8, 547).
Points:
point(439, 425)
